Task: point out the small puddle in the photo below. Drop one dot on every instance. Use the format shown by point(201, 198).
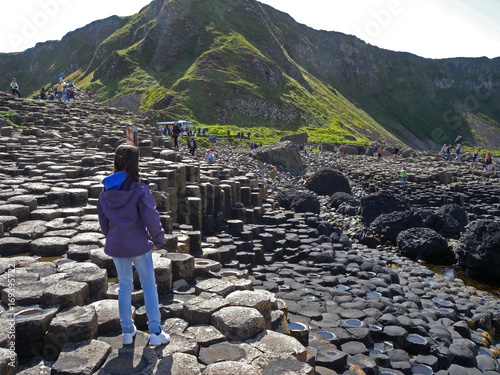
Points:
point(28, 313)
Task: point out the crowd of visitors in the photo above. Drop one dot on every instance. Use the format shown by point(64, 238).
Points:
point(63, 91)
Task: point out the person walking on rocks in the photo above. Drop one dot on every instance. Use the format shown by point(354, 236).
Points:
point(475, 157)
point(15, 88)
point(488, 163)
point(443, 150)
point(380, 153)
point(457, 158)
point(448, 153)
point(128, 218)
point(192, 146)
point(272, 174)
point(175, 134)
point(59, 91)
point(403, 175)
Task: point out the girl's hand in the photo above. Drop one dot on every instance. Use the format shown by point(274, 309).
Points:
point(154, 247)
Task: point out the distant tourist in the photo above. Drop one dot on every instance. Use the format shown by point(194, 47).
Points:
point(379, 153)
point(15, 88)
point(65, 94)
point(488, 163)
point(320, 147)
point(192, 146)
point(209, 158)
point(176, 131)
point(448, 154)
point(129, 220)
point(59, 90)
point(443, 150)
point(475, 157)
point(403, 175)
point(272, 174)
point(458, 141)
point(457, 157)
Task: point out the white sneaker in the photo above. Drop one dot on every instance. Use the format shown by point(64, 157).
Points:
point(128, 338)
point(161, 338)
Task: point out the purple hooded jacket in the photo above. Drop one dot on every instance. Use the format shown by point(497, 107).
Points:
point(128, 217)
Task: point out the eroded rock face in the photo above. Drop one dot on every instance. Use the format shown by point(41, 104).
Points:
point(478, 250)
point(283, 154)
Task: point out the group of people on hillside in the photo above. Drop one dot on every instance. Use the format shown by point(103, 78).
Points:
point(63, 91)
point(255, 145)
point(446, 150)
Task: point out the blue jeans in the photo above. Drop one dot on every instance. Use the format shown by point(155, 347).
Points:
point(403, 181)
point(59, 95)
point(144, 266)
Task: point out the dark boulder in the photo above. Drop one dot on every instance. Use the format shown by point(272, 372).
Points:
point(297, 139)
point(348, 210)
point(478, 251)
point(284, 154)
point(457, 212)
point(424, 243)
point(328, 181)
point(388, 226)
point(449, 220)
point(338, 198)
point(366, 237)
point(298, 201)
point(377, 204)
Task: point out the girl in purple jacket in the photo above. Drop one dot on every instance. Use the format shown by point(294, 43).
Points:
point(128, 218)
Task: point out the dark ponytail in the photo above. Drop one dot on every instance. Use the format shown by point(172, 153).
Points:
point(127, 159)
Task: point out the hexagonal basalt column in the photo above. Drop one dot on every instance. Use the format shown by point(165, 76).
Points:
point(199, 310)
point(182, 266)
point(238, 323)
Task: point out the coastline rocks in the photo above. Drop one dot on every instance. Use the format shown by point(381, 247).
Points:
point(284, 154)
point(423, 243)
point(328, 182)
point(478, 250)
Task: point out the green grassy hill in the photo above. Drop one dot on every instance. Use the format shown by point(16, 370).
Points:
point(247, 66)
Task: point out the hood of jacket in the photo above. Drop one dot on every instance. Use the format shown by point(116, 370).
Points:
point(118, 189)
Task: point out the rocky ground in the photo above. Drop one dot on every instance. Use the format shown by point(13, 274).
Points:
point(298, 276)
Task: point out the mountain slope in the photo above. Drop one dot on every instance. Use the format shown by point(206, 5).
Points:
point(243, 63)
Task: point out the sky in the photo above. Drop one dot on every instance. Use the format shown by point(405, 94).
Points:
point(428, 28)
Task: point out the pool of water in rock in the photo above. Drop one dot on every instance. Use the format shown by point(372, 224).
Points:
point(28, 313)
point(328, 336)
point(455, 272)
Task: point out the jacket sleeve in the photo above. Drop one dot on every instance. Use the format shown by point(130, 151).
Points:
point(151, 217)
point(103, 220)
